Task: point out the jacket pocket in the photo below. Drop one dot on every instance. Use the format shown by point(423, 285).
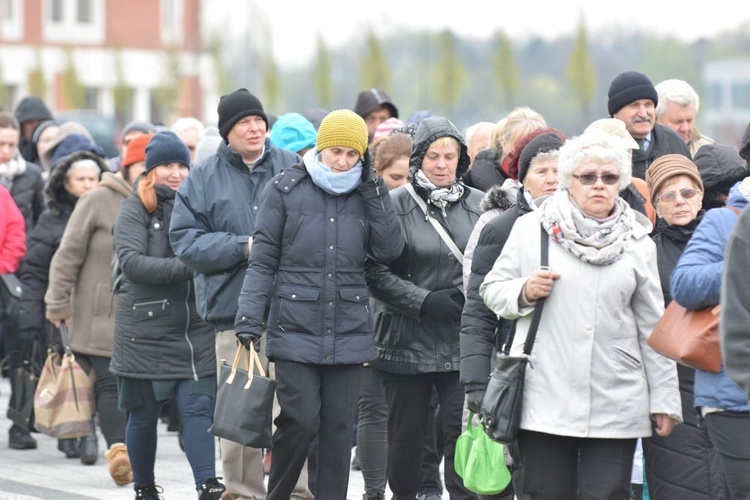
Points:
point(143, 311)
point(298, 309)
point(353, 314)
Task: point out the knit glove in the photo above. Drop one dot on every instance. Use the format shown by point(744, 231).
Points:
point(248, 339)
point(444, 306)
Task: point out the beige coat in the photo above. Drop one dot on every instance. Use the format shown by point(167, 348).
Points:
point(81, 269)
point(592, 373)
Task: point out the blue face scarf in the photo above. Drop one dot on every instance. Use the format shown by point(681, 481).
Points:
point(329, 181)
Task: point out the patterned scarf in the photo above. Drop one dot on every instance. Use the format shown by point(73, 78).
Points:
point(598, 242)
point(12, 168)
point(440, 197)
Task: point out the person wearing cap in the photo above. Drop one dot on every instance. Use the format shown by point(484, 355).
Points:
point(134, 158)
point(317, 223)
point(30, 112)
point(162, 349)
point(214, 217)
point(721, 167)
point(78, 294)
point(696, 283)
point(632, 98)
point(678, 105)
point(418, 306)
point(293, 132)
point(129, 132)
point(43, 137)
point(375, 107)
point(682, 461)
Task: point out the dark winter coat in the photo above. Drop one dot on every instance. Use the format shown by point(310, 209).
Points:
point(28, 193)
point(214, 215)
point(30, 108)
point(307, 269)
point(664, 141)
point(405, 342)
point(486, 171)
point(158, 333)
point(481, 330)
point(683, 464)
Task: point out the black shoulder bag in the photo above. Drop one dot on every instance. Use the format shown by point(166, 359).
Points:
point(501, 407)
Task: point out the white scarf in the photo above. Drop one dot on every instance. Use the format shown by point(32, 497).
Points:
point(11, 169)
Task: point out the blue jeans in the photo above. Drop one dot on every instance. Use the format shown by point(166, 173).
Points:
point(197, 412)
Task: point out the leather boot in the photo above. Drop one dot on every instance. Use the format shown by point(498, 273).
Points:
point(20, 439)
point(88, 449)
point(69, 446)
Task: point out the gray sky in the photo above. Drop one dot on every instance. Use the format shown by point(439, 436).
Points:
point(294, 24)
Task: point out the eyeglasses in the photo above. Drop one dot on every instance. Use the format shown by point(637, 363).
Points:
point(671, 196)
point(590, 179)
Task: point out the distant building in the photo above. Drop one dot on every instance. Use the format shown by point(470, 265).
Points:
point(130, 59)
point(725, 100)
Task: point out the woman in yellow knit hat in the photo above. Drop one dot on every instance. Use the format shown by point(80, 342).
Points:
point(317, 222)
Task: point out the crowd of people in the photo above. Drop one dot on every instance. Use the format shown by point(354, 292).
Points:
point(378, 264)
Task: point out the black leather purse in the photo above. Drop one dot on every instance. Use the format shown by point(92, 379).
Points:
point(502, 404)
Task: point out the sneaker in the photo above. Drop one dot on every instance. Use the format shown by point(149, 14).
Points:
point(148, 492)
point(20, 439)
point(69, 446)
point(119, 466)
point(211, 489)
point(88, 449)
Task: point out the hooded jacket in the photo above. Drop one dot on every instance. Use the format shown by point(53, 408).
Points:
point(664, 141)
point(214, 214)
point(30, 108)
point(720, 167)
point(486, 171)
point(81, 270)
point(371, 99)
point(405, 342)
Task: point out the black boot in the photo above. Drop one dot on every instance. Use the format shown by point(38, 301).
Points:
point(211, 489)
point(21, 404)
point(149, 492)
point(88, 449)
point(69, 446)
point(20, 439)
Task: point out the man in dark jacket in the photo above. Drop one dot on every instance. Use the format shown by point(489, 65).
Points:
point(30, 112)
point(375, 107)
point(210, 231)
point(632, 98)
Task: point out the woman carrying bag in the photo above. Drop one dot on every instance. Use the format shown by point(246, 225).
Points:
point(162, 349)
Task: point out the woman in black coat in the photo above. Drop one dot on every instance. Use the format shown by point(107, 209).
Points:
point(162, 349)
point(684, 464)
point(316, 224)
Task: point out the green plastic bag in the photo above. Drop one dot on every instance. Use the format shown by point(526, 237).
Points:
point(480, 461)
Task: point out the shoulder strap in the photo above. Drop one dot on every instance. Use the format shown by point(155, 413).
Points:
point(438, 227)
point(531, 335)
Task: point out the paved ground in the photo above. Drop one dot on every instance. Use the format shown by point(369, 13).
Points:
point(45, 473)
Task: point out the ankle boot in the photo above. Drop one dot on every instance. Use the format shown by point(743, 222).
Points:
point(69, 446)
point(20, 439)
point(149, 492)
point(88, 449)
point(211, 489)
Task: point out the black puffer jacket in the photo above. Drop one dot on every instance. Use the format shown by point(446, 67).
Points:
point(486, 171)
point(307, 269)
point(664, 141)
point(683, 464)
point(158, 333)
point(406, 343)
point(42, 242)
point(481, 330)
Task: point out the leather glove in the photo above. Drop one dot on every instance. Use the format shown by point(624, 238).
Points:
point(248, 339)
point(370, 177)
point(474, 401)
point(444, 306)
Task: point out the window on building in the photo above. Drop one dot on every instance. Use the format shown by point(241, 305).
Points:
point(171, 17)
point(8, 10)
point(711, 96)
point(84, 11)
point(741, 95)
point(56, 10)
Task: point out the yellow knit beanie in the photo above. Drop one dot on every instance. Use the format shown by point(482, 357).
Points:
point(342, 128)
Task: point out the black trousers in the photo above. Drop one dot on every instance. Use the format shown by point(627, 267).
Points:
point(111, 419)
point(408, 399)
point(316, 401)
point(565, 468)
point(729, 432)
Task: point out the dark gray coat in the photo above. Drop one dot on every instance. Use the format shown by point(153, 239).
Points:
point(664, 141)
point(158, 333)
point(307, 269)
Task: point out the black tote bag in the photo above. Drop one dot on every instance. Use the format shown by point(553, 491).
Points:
point(500, 413)
point(244, 402)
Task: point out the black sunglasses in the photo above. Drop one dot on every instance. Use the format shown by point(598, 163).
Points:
point(589, 179)
point(671, 196)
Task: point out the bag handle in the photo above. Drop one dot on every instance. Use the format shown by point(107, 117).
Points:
point(536, 318)
point(438, 227)
point(70, 357)
point(252, 361)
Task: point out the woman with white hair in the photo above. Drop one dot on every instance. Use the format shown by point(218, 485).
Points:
point(594, 386)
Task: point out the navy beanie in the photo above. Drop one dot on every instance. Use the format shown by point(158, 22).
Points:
point(236, 106)
point(74, 143)
point(628, 87)
point(166, 147)
point(540, 144)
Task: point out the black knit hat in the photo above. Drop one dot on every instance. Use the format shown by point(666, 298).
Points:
point(541, 144)
point(628, 87)
point(166, 147)
point(236, 106)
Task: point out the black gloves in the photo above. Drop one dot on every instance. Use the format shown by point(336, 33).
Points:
point(248, 339)
point(444, 306)
point(474, 401)
point(370, 177)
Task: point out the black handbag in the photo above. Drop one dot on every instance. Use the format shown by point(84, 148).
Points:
point(500, 413)
point(10, 299)
point(244, 402)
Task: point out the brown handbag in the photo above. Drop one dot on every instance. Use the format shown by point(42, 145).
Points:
point(688, 337)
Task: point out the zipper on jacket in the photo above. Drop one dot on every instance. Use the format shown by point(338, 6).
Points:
point(187, 330)
point(163, 302)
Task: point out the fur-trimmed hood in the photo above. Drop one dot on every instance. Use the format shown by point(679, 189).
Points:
point(56, 197)
point(500, 196)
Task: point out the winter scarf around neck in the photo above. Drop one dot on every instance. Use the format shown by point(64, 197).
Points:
point(329, 181)
point(11, 169)
point(440, 197)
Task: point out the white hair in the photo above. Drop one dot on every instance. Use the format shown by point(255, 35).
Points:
point(187, 123)
point(83, 163)
point(473, 129)
point(593, 146)
point(677, 91)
